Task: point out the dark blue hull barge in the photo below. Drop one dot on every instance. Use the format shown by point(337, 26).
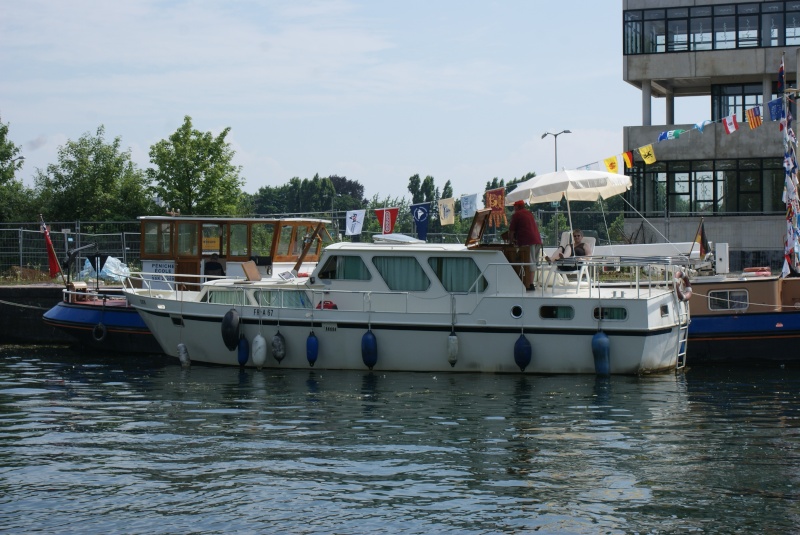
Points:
point(101, 321)
point(746, 319)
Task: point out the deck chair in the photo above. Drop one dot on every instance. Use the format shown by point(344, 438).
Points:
point(560, 272)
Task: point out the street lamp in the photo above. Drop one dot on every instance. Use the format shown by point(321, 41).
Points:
point(555, 138)
point(556, 203)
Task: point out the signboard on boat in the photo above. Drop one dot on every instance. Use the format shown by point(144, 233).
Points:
point(163, 272)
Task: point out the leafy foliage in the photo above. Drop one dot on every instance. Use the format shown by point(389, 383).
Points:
point(193, 172)
point(14, 196)
point(92, 181)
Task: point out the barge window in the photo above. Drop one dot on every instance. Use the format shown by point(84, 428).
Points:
point(458, 274)
point(157, 238)
point(213, 239)
point(261, 239)
point(344, 268)
point(728, 300)
point(285, 241)
point(610, 313)
point(557, 312)
point(402, 273)
point(187, 239)
point(239, 240)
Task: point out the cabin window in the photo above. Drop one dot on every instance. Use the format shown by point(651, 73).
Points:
point(402, 273)
point(261, 239)
point(239, 240)
point(285, 241)
point(157, 238)
point(458, 274)
point(282, 299)
point(610, 313)
point(728, 300)
point(225, 297)
point(187, 239)
point(213, 239)
point(557, 312)
point(344, 268)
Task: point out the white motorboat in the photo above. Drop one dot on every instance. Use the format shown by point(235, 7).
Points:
point(427, 307)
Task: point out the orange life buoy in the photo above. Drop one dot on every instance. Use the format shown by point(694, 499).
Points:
point(683, 288)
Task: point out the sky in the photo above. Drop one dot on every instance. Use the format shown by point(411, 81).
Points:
point(373, 90)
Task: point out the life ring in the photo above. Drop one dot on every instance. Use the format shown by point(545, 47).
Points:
point(99, 332)
point(758, 271)
point(683, 288)
point(328, 305)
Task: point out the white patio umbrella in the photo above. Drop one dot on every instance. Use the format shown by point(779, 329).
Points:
point(571, 184)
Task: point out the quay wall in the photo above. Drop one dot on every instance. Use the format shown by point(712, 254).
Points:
point(21, 310)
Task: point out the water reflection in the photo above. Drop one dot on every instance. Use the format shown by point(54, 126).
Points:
point(113, 444)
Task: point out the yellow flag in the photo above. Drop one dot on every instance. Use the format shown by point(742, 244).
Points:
point(611, 164)
point(647, 154)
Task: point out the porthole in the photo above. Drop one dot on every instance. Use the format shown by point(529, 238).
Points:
point(516, 311)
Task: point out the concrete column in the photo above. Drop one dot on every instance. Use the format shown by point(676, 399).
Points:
point(670, 107)
point(647, 92)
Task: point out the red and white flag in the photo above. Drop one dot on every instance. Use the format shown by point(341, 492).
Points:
point(730, 123)
point(52, 261)
point(386, 217)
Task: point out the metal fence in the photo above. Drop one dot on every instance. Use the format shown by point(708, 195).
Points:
point(23, 245)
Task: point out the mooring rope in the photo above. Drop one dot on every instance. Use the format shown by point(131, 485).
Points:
point(23, 306)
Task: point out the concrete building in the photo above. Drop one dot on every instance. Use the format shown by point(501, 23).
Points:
point(729, 51)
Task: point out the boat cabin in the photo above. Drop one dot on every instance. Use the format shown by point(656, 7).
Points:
point(183, 245)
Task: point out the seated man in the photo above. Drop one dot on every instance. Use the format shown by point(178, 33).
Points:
point(213, 266)
point(576, 247)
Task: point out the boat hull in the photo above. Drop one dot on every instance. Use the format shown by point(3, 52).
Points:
point(118, 328)
point(405, 345)
point(740, 338)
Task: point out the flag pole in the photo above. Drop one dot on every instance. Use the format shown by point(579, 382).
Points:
point(51, 250)
point(696, 234)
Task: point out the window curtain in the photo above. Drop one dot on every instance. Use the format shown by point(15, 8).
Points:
point(457, 274)
point(402, 274)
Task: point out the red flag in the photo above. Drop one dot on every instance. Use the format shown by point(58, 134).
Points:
point(702, 241)
point(496, 200)
point(387, 218)
point(55, 268)
point(628, 157)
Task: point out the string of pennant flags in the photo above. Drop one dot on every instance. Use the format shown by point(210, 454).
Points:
point(495, 198)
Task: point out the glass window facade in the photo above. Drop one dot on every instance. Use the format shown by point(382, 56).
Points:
point(720, 27)
point(706, 187)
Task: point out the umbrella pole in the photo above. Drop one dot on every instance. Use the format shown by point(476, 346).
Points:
point(569, 216)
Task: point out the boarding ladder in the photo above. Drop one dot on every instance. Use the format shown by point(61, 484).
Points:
point(684, 318)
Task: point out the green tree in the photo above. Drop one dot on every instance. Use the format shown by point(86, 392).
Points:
point(93, 181)
point(14, 196)
point(193, 172)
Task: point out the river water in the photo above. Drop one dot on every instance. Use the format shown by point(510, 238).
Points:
point(108, 444)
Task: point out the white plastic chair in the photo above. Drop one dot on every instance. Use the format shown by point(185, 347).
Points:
point(556, 276)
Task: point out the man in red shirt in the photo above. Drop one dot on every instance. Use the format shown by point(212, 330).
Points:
point(524, 232)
